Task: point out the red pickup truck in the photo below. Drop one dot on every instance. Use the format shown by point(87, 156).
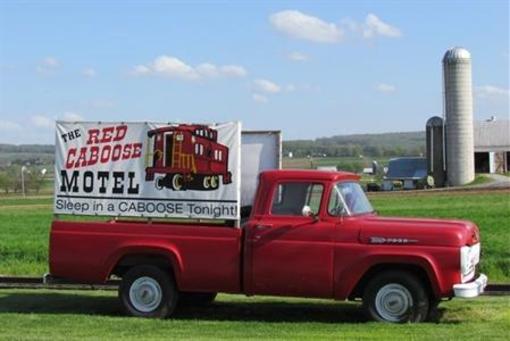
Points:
point(309, 234)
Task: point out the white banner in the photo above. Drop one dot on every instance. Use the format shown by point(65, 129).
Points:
point(148, 169)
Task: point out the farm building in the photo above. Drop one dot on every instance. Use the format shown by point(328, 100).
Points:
point(407, 170)
point(492, 146)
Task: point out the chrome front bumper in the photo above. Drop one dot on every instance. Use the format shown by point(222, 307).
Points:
point(471, 289)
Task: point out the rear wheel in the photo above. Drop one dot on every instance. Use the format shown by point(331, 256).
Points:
point(148, 291)
point(396, 296)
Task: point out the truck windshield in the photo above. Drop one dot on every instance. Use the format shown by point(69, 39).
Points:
point(348, 198)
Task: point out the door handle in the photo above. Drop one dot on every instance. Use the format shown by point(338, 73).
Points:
point(258, 230)
point(262, 227)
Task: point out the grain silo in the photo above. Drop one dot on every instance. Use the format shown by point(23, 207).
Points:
point(436, 163)
point(458, 102)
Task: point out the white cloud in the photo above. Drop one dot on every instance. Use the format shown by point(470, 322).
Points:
point(48, 65)
point(385, 88)
point(9, 126)
point(297, 56)
point(302, 26)
point(259, 98)
point(42, 122)
point(50, 62)
point(140, 70)
point(233, 71)
point(208, 70)
point(71, 116)
point(173, 67)
point(376, 27)
point(89, 72)
point(264, 85)
point(487, 91)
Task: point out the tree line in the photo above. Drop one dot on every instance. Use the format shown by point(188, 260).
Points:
point(374, 145)
point(11, 180)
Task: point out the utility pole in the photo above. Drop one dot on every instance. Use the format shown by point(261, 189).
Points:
point(23, 169)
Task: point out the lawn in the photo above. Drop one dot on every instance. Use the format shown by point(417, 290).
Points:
point(63, 315)
point(44, 314)
point(24, 225)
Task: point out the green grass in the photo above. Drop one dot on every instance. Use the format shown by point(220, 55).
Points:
point(489, 210)
point(64, 315)
point(24, 226)
point(479, 180)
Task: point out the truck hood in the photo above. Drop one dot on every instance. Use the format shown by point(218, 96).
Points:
point(415, 231)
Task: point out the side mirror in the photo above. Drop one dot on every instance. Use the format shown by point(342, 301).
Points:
point(307, 212)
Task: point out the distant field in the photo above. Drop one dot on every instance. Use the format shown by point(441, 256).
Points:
point(312, 163)
point(46, 158)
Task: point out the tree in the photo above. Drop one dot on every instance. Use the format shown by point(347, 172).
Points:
point(4, 182)
point(34, 181)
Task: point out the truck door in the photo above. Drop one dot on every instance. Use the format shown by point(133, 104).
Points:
point(292, 254)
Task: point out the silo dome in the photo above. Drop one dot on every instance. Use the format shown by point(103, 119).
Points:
point(456, 54)
point(435, 121)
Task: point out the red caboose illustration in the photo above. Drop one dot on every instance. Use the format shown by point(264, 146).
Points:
point(186, 157)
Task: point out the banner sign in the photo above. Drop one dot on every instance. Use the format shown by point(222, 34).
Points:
point(148, 169)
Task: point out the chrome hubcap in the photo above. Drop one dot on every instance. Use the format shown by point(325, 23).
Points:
point(145, 294)
point(393, 301)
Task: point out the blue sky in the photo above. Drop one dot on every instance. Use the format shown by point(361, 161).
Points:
point(311, 69)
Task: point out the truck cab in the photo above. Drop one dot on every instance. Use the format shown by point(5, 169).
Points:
point(309, 234)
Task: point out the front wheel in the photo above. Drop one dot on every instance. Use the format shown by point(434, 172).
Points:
point(148, 291)
point(396, 296)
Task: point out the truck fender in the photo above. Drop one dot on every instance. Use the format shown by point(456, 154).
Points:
point(168, 251)
point(348, 280)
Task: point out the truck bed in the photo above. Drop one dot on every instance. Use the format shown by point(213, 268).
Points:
point(204, 257)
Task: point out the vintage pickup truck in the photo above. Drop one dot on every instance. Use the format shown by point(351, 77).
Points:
point(309, 234)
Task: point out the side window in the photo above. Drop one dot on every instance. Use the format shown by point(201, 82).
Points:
point(289, 198)
point(336, 205)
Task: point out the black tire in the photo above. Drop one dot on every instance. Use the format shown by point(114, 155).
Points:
point(435, 313)
point(397, 297)
point(154, 282)
point(196, 298)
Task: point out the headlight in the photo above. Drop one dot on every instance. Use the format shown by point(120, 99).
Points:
point(469, 258)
